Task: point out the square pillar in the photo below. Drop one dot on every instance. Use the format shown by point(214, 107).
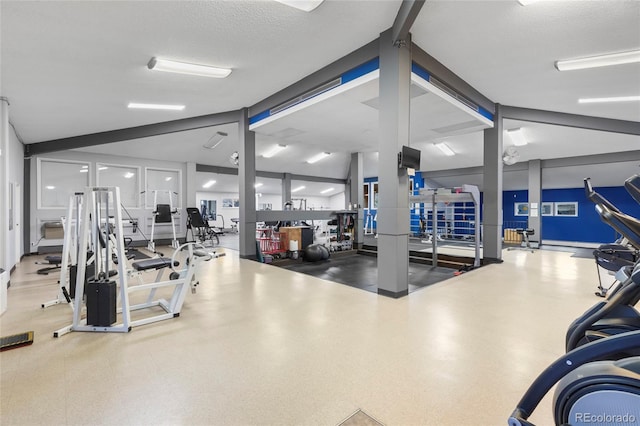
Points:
point(246, 180)
point(393, 206)
point(492, 190)
point(535, 201)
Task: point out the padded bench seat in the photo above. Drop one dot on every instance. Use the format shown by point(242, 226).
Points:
point(154, 263)
point(53, 259)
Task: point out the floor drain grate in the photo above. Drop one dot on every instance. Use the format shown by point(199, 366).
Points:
point(360, 418)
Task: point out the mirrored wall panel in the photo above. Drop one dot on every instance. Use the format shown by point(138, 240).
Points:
point(58, 180)
point(162, 184)
point(127, 178)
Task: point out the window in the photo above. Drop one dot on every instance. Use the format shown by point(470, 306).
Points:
point(127, 178)
point(366, 195)
point(375, 195)
point(58, 180)
point(165, 182)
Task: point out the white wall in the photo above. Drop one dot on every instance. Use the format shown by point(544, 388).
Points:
point(141, 213)
point(16, 179)
point(336, 202)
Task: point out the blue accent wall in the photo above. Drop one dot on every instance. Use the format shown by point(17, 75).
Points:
point(587, 226)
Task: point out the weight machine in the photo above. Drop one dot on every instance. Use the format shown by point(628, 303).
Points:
point(164, 213)
point(70, 250)
point(102, 293)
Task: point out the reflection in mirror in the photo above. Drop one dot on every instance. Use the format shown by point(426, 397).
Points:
point(208, 209)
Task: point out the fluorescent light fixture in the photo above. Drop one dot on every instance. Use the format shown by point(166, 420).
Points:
point(300, 188)
point(318, 157)
point(167, 65)
point(84, 170)
point(129, 175)
point(604, 100)
point(327, 190)
point(445, 149)
point(85, 167)
point(215, 140)
point(304, 5)
point(258, 185)
point(168, 178)
point(517, 136)
point(134, 105)
point(620, 58)
point(273, 151)
point(50, 187)
point(102, 168)
point(209, 184)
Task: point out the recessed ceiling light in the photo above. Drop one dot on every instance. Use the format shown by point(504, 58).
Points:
point(84, 170)
point(258, 185)
point(209, 184)
point(445, 149)
point(167, 65)
point(300, 188)
point(318, 157)
point(50, 187)
point(129, 175)
point(304, 5)
point(134, 105)
point(517, 136)
point(168, 178)
point(604, 100)
point(102, 168)
point(273, 151)
point(326, 190)
point(606, 60)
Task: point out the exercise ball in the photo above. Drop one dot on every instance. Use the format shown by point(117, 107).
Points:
point(325, 252)
point(313, 253)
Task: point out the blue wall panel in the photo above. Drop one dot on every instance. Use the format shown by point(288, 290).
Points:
point(587, 226)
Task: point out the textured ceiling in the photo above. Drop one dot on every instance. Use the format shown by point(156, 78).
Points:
point(69, 68)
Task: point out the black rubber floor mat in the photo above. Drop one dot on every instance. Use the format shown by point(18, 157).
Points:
point(16, 341)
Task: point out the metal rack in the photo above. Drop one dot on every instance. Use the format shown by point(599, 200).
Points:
point(448, 214)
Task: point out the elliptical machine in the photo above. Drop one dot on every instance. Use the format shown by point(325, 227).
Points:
point(598, 380)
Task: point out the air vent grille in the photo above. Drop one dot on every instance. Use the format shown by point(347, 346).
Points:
point(308, 95)
point(440, 85)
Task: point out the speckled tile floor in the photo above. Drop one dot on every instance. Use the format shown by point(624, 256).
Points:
point(260, 345)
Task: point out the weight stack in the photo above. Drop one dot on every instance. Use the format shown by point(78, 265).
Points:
point(89, 273)
point(101, 303)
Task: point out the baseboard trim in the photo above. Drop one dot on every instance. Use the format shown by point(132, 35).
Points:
point(393, 294)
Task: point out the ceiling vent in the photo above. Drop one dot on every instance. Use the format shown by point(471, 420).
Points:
point(440, 85)
point(305, 96)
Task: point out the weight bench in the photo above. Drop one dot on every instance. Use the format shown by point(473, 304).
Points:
point(156, 264)
point(525, 232)
point(153, 263)
point(50, 260)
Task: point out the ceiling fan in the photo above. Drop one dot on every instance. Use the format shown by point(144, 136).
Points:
point(234, 158)
point(510, 156)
